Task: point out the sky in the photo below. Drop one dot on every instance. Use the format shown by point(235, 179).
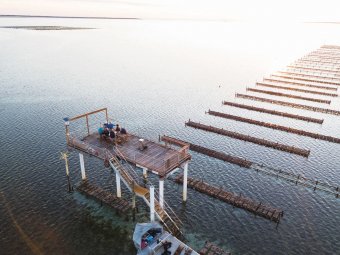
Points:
point(263, 10)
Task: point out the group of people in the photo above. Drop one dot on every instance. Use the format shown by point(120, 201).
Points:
point(109, 131)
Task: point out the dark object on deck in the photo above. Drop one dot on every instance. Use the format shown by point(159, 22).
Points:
point(141, 145)
point(123, 131)
point(247, 138)
point(106, 132)
point(112, 134)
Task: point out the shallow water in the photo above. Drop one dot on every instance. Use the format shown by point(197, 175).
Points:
point(153, 76)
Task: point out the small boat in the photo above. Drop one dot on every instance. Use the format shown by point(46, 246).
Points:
point(152, 239)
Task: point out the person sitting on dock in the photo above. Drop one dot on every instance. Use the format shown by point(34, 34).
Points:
point(100, 132)
point(106, 133)
point(110, 126)
point(112, 135)
point(117, 128)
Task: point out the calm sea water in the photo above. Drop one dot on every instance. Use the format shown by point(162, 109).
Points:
point(153, 76)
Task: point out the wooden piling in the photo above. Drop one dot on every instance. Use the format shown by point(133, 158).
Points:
point(293, 105)
point(314, 69)
point(247, 138)
point(296, 89)
point(276, 127)
point(64, 156)
point(236, 200)
point(277, 173)
point(272, 93)
point(301, 84)
point(282, 114)
point(319, 76)
point(306, 79)
point(212, 153)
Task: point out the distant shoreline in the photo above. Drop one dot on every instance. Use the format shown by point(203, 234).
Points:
point(324, 22)
point(62, 17)
point(46, 27)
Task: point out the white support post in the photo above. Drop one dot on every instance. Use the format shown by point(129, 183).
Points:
point(161, 192)
point(119, 191)
point(152, 204)
point(145, 172)
point(82, 166)
point(185, 181)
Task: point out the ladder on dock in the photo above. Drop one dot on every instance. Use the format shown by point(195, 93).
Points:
point(130, 178)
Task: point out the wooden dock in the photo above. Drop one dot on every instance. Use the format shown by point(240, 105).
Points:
point(262, 84)
point(316, 65)
point(313, 72)
point(279, 94)
point(330, 46)
point(257, 208)
point(312, 77)
point(155, 157)
point(276, 81)
point(306, 79)
point(321, 60)
point(104, 197)
point(276, 127)
point(318, 76)
point(329, 63)
point(322, 56)
point(212, 249)
point(117, 153)
point(293, 105)
point(212, 153)
point(273, 112)
point(277, 173)
point(247, 138)
point(314, 69)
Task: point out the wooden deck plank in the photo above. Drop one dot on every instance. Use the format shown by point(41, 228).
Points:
point(153, 157)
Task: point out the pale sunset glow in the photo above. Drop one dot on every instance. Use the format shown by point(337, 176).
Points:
point(262, 10)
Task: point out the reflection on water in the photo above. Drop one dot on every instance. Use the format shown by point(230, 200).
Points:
point(153, 76)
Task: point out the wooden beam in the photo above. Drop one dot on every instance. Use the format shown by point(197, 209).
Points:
point(107, 116)
point(87, 125)
point(89, 113)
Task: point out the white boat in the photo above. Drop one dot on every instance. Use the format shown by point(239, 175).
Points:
point(152, 239)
